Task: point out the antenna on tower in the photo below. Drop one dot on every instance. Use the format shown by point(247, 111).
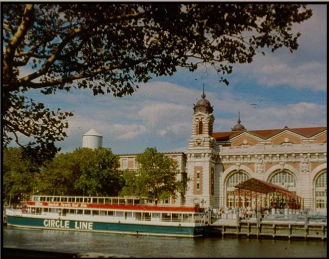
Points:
point(203, 95)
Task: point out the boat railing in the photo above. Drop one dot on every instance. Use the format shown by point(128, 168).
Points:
point(13, 212)
point(102, 200)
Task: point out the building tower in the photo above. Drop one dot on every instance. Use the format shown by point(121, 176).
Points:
point(239, 126)
point(92, 139)
point(202, 157)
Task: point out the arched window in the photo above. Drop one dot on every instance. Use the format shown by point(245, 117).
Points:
point(321, 191)
point(200, 127)
point(234, 179)
point(285, 180)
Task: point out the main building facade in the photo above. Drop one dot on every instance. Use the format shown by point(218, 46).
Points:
point(292, 158)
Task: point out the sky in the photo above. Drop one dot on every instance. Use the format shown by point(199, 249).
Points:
point(276, 90)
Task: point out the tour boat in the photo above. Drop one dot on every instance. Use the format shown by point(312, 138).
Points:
point(134, 216)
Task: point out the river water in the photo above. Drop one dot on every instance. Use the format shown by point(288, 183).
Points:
point(151, 247)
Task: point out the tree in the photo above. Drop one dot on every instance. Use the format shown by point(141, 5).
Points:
point(84, 171)
point(58, 176)
point(19, 175)
point(112, 47)
point(100, 173)
point(156, 177)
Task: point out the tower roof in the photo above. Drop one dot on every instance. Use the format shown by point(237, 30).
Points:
point(239, 126)
point(92, 132)
point(203, 105)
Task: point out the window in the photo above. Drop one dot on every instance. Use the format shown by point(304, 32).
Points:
point(233, 180)
point(212, 182)
point(200, 127)
point(285, 180)
point(236, 178)
point(124, 163)
point(321, 191)
point(321, 181)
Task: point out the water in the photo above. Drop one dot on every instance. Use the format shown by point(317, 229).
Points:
point(151, 247)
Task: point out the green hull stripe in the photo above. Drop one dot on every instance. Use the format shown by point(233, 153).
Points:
point(104, 227)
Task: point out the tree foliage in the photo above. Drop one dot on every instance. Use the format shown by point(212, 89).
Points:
point(156, 177)
point(19, 175)
point(112, 47)
point(82, 172)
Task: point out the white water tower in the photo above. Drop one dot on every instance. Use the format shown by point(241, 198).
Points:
point(92, 139)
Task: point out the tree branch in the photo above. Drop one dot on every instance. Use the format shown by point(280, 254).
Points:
point(14, 42)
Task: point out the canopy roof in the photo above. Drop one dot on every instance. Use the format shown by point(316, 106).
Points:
point(259, 186)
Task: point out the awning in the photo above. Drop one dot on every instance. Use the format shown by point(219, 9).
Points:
point(259, 186)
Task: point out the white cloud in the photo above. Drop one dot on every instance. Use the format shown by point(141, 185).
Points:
point(156, 114)
point(293, 115)
point(305, 76)
point(127, 132)
point(177, 129)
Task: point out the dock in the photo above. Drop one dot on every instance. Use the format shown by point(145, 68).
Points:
point(269, 228)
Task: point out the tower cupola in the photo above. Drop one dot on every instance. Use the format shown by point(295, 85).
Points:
point(203, 105)
point(239, 126)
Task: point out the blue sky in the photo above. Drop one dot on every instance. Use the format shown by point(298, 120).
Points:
point(276, 90)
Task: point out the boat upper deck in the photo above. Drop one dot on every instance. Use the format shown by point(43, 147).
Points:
point(113, 203)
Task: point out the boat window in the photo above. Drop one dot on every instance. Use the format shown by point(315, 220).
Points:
point(110, 213)
point(86, 200)
point(176, 217)
point(122, 201)
point(146, 216)
point(80, 212)
point(187, 217)
point(56, 198)
point(79, 199)
point(42, 198)
point(45, 209)
point(95, 212)
point(87, 212)
point(107, 201)
point(138, 215)
point(64, 199)
point(36, 198)
point(72, 211)
point(115, 201)
point(119, 214)
point(165, 216)
point(101, 201)
point(71, 199)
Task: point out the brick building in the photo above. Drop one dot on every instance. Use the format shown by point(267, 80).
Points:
point(293, 158)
